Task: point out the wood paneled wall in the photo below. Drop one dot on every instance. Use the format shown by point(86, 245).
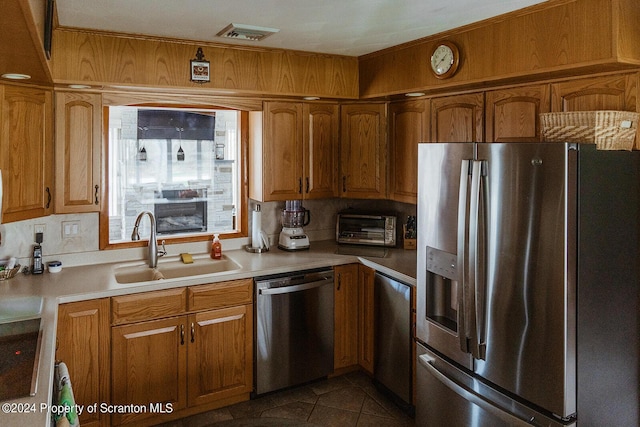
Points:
point(555, 39)
point(118, 60)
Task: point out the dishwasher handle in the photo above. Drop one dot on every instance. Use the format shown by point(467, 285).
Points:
point(295, 288)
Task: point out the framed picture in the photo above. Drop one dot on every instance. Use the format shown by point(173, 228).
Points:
point(199, 71)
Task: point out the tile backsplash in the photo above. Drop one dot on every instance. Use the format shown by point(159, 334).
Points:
point(18, 238)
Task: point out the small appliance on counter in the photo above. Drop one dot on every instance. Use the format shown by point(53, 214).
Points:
point(366, 228)
point(294, 217)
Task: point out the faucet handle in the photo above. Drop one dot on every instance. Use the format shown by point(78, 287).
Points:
point(162, 252)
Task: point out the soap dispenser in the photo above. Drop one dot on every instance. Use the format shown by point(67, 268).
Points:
point(216, 247)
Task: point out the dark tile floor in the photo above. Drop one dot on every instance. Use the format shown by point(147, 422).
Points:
point(348, 400)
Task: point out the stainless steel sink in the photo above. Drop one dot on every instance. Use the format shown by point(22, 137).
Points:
point(20, 308)
point(173, 268)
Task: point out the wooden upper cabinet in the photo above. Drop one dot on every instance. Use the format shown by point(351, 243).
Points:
point(78, 147)
point(363, 152)
point(282, 151)
point(294, 154)
point(618, 92)
point(321, 144)
point(458, 118)
point(408, 126)
point(26, 152)
point(513, 114)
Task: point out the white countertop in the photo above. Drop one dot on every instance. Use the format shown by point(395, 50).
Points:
point(98, 281)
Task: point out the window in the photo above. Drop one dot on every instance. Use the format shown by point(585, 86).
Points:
point(182, 165)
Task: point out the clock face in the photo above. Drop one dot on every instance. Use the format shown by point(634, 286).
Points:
point(444, 60)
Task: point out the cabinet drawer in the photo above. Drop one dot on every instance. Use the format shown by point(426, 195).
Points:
point(148, 305)
point(223, 294)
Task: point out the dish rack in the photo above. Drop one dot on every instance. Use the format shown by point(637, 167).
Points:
point(9, 273)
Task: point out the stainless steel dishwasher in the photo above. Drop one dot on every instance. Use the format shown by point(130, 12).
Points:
point(294, 328)
point(393, 361)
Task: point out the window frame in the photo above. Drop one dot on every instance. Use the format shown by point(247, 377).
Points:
point(243, 182)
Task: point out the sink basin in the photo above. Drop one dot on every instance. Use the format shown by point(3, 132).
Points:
point(174, 269)
point(20, 308)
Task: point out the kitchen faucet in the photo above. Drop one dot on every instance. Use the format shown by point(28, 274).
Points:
point(154, 253)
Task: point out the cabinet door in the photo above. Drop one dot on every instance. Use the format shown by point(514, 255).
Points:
point(282, 151)
point(26, 152)
point(149, 365)
point(366, 318)
point(513, 115)
point(409, 125)
point(458, 118)
point(363, 151)
point(78, 147)
point(617, 92)
point(345, 316)
point(321, 123)
point(220, 354)
point(83, 344)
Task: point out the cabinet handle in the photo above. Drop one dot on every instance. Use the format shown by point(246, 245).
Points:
point(300, 185)
point(339, 281)
point(344, 184)
point(193, 332)
point(181, 334)
point(48, 198)
point(96, 202)
point(308, 185)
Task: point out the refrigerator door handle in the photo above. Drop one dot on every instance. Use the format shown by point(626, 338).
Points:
point(470, 395)
point(463, 251)
point(476, 284)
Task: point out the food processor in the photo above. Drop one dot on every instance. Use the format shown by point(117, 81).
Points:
point(294, 217)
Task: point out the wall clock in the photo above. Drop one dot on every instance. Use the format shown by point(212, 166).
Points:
point(445, 59)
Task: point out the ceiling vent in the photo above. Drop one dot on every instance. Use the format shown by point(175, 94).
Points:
point(246, 32)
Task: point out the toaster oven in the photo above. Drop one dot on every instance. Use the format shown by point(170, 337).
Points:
point(366, 229)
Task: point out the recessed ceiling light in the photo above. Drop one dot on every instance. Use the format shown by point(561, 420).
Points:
point(414, 94)
point(16, 76)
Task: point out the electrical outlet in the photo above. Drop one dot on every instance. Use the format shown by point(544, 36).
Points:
point(70, 229)
point(39, 228)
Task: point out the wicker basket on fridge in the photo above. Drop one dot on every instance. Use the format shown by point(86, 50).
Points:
point(609, 130)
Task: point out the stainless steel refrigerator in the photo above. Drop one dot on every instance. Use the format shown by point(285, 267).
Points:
point(528, 278)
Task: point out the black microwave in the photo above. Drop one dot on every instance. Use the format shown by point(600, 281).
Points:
point(366, 229)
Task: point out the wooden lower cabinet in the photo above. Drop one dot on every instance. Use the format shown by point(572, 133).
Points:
point(220, 354)
point(83, 340)
point(345, 316)
point(366, 318)
point(179, 365)
point(149, 361)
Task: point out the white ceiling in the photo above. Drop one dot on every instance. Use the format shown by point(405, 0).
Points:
point(346, 27)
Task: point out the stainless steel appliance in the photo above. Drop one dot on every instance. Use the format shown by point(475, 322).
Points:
point(393, 336)
point(294, 328)
point(294, 217)
point(527, 298)
point(360, 228)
